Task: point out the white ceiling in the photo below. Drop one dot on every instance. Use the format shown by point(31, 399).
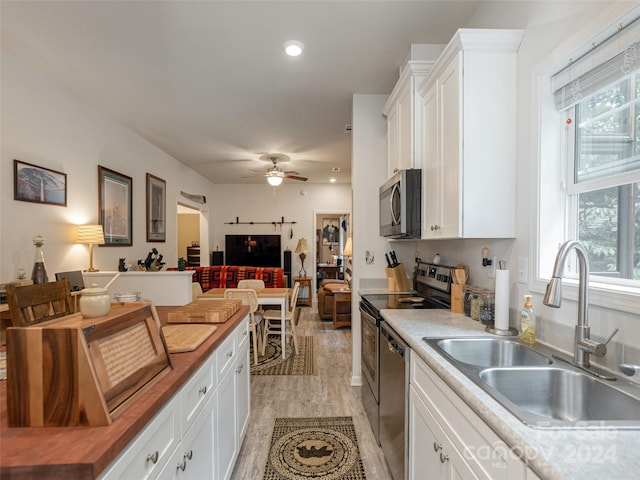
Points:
point(208, 82)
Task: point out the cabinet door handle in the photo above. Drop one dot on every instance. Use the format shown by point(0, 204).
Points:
point(188, 454)
point(230, 354)
point(203, 390)
point(239, 369)
point(437, 446)
point(182, 465)
point(153, 457)
point(443, 457)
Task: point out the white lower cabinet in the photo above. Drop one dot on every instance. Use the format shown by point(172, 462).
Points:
point(447, 440)
point(198, 433)
point(233, 396)
point(194, 457)
point(442, 460)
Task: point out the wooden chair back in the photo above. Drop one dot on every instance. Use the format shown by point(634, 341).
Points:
point(251, 283)
point(247, 295)
point(294, 297)
point(32, 304)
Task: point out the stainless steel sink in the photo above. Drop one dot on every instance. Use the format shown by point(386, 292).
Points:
point(491, 352)
point(541, 393)
point(551, 396)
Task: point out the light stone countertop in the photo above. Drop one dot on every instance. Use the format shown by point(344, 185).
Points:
point(552, 454)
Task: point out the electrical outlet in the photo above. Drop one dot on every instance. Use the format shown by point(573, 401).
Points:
point(492, 268)
point(523, 269)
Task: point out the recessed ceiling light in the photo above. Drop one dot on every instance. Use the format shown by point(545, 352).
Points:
point(332, 180)
point(293, 48)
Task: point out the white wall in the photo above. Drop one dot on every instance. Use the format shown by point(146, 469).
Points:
point(45, 125)
point(295, 201)
point(368, 167)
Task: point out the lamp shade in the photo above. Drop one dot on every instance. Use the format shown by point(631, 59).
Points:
point(302, 246)
point(91, 234)
point(348, 248)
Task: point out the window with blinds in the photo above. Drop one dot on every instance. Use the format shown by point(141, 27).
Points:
point(600, 94)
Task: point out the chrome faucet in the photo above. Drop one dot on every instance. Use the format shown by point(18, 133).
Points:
point(553, 298)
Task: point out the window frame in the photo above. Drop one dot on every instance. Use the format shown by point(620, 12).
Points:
point(549, 197)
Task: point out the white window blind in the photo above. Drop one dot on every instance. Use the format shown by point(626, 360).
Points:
point(614, 58)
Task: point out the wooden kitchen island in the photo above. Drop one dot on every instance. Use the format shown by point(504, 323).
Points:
point(85, 452)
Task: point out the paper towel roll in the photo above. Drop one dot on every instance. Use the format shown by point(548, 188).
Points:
point(502, 300)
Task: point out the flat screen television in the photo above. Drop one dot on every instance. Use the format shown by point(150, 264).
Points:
point(253, 250)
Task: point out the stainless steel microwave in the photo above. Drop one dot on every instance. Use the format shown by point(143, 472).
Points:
point(401, 205)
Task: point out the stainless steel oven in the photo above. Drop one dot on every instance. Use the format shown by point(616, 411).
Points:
point(370, 363)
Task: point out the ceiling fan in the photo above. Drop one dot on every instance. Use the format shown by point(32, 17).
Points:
point(275, 175)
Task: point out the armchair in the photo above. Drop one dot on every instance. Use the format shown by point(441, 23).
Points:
point(326, 299)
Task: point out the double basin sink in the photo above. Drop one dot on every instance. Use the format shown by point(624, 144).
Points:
point(540, 391)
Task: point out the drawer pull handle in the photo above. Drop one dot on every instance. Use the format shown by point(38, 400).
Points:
point(443, 457)
point(153, 457)
point(182, 465)
point(203, 390)
point(189, 454)
point(437, 446)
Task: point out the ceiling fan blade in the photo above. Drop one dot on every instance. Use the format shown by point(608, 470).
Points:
point(296, 177)
point(291, 172)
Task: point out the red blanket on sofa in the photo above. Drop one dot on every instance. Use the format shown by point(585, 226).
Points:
point(228, 276)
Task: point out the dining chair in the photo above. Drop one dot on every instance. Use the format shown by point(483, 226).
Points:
point(250, 299)
point(255, 284)
point(32, 304)
point(196, 291)
point(251, 283)
point(272, 321)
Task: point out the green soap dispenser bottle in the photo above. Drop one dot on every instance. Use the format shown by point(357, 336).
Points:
point(528, 322)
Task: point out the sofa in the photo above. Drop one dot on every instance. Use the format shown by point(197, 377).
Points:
point(228, 276)
point(325, 298)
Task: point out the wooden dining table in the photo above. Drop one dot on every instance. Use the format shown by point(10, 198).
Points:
point(266, 296)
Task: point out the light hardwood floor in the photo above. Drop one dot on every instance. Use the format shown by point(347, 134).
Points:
point(328, 394)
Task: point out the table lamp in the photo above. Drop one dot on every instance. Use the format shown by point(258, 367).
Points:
point(92, 235)
point(302, 248)
point(348, 248)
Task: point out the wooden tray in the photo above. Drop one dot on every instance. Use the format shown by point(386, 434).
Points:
point(205, 311)
point(186, 338)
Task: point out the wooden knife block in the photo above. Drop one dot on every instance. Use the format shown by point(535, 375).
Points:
point(83, 371)
point(397, 278)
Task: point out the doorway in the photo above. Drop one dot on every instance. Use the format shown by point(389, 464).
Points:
point(332, 230)
point(189, 236)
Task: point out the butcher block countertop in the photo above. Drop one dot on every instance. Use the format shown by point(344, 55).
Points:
point(84, 452)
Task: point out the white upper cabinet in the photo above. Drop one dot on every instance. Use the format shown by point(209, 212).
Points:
point(403, 111)
point(468, 137)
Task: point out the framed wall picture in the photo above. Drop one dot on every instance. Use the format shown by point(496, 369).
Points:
point(156, 209)
point(115, 207)
point(35, 184)
point(330, 230)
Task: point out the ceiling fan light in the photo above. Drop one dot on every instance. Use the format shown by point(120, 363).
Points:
point(293, 48)
point(274, 180)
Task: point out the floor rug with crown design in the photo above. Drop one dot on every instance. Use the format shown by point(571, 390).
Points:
point(272, 363)
point(323, 448)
